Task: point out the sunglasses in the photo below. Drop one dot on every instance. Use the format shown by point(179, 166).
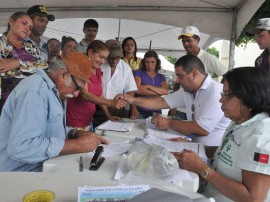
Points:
point(78, 88)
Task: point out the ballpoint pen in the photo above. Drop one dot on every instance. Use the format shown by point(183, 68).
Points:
point(81, 164)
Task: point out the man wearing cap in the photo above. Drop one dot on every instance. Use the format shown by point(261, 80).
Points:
point(40, 17)
point(90, 30)
point(262, 38)
point(190, 36)
point(32, 122)
point(117, 79)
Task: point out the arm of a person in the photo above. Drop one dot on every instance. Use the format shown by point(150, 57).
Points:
point(163, 90)
point(185, 127)
point(105, 110)
point(149, 103)
point(83, 142)
point(9, 64)
point(254, 186)
point(143, 89)
point(100, 100)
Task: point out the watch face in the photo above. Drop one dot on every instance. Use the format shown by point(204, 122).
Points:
point(205, 173)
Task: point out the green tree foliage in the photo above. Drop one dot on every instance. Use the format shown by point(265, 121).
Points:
point(213, 51)
point(171, 59)
point(262, 12)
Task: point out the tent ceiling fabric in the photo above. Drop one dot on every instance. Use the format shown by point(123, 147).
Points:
point(163, 37)
point(212, 17)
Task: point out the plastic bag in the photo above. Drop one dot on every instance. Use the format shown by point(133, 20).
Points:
point(153, 160)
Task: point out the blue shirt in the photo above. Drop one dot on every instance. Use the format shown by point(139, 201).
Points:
point(32, 124)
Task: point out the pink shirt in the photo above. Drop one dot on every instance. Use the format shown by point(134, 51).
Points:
point(80, 112)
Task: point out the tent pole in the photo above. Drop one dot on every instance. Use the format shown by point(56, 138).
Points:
point(119, 28)
point(232, 40)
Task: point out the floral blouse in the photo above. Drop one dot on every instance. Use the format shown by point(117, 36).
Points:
point(29, 57)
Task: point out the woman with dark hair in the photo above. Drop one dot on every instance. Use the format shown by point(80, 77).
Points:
point(129, 47)
point(80, 110)
point(68, 45)
point(19, 56)
point(54, 48)
point(240, 170)
point(149, 82)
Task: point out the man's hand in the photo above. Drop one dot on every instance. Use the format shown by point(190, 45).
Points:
point(85, 142)
point(161, 122)
point(90, 141)
point(118, 103)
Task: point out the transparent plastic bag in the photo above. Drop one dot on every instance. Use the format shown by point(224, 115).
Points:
point(153, 160)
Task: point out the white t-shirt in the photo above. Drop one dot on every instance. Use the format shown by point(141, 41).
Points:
point(212, 64)
point(247, 148)
point(208, 113)
point(122, 81)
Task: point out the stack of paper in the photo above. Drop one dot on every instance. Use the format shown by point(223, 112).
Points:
point(116, 126)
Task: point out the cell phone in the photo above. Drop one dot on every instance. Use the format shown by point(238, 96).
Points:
point(97, 160)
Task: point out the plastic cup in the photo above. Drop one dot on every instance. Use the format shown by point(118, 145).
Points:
point(39, 196)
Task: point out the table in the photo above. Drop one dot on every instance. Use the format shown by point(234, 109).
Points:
point(69, 164)
point(14, 185)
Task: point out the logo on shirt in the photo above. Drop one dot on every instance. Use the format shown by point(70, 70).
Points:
point(262, 158)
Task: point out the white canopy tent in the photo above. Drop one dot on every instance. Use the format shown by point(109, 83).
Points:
point(217, 19)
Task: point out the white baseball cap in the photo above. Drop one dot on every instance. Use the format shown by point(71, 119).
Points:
point(189, 31)
point(262, 24)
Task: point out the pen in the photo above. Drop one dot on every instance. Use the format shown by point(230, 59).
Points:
point(81, 164)
point(187, 138)
point(191, 136)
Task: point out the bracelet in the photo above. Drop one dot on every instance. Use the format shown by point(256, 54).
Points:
point(73, 134)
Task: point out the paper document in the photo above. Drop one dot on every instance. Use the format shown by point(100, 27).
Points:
point(116, 126)
point(164, 134)
point(110, 193)
point(177, 146)
point(114, 149)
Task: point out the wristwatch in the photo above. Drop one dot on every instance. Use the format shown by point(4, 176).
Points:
point(205, 173)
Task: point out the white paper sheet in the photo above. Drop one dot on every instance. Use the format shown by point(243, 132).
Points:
point(164, 134)
point(114, 149)
point(177, 146)
point(116, 126)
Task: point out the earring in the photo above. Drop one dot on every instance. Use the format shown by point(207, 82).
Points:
point(90, 58)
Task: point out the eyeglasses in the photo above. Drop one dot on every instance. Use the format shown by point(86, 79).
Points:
point(78, 88)
point(193, 112)
point(227, 95)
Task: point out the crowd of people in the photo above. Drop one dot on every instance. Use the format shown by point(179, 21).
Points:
point(53, 93)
